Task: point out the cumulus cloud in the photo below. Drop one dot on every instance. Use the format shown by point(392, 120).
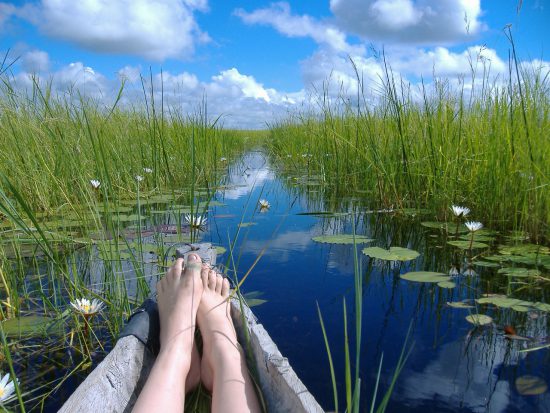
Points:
point(443, 63)
point(35, 61)
point(280, 17)
point(156, 30)
point(238, 99)
point(433, 22)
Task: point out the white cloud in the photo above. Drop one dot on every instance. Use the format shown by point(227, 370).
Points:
point(239, 84)
point(156, 30)
point(238, 99)
point(35, 61)
point(6, 11)
point(433, 22)
point(279, 16)
point(444, 63)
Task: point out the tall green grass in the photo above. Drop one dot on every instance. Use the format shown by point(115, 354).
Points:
point(432, 146)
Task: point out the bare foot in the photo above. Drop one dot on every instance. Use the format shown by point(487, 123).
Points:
point(223, 366)
point(179, 295)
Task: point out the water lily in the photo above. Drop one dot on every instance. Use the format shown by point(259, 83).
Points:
point(460, 211)
point(264, 204)
point(197, 221)
point(86, 307)
point(473, 226)
point(6, 387)
point(222, 159)
point(147, 170)
point(139, 178)
point(95, 183)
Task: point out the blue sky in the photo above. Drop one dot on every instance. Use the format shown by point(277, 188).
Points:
point(256, 61)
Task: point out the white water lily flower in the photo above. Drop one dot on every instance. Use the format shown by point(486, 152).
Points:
point(460, 211)
point(86, 307)
point(147, 170)
point(6, 387)
point(264, 204)
point(223, 159)
point(95, 183)
point(139, 178)
point(473, 225)
point(197, 221)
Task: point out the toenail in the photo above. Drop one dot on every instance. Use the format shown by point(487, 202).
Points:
point(193, 257)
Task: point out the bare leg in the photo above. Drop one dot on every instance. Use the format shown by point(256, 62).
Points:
point(179, 294)
point(223, 366)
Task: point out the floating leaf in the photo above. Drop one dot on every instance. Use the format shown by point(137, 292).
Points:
point(425, 277)
point(446, 284)
point(466, 245)
point(502, 301)
point(531, 385)
point(520, 308)
point(519, 272)
point(517, 236)
point(393, 254)
point(523, 249)
point(129, 218)
point(486, 264)
point(459, 304)
point(479, 319)
point(342, 239)
point(437, 225)
point(220, 250)
point(324, 214)
point(31, 325)
point(247, 224)
point(542, 307)
point(478, 237)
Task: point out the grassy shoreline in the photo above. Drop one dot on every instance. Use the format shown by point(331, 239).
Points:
point(440, 148)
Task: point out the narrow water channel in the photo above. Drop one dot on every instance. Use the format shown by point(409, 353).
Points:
point(453, 366)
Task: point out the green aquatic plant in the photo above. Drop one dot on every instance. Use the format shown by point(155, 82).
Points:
point(393, 254)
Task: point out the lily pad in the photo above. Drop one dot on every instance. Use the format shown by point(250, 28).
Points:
point(502, 301)
point(523, 249)
point(466, 245)
point(32, 325)
point(247, 224)
point(459, 304)
point(437, 225)
point(425, 277)
point(479, 319)
point(325, 214)
point(342, 239)
point(531, 385)
point(486, 264)
point(393, 254)
point(519, 272)
point(446, 284)
point(220, 250)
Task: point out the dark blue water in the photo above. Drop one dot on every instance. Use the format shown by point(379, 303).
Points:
point(452, 366)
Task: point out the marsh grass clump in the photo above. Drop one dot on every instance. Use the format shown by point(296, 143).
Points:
point(434, 147)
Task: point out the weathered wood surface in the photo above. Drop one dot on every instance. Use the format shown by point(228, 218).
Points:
point(113, 386)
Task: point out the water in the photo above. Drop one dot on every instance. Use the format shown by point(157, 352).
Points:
point(452, 365)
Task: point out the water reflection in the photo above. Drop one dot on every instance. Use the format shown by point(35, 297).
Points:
point(450, 369)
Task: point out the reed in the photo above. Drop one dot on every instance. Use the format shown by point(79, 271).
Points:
point(434, 146)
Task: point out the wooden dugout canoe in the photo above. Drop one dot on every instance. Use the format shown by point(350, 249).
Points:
point(114, 385)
